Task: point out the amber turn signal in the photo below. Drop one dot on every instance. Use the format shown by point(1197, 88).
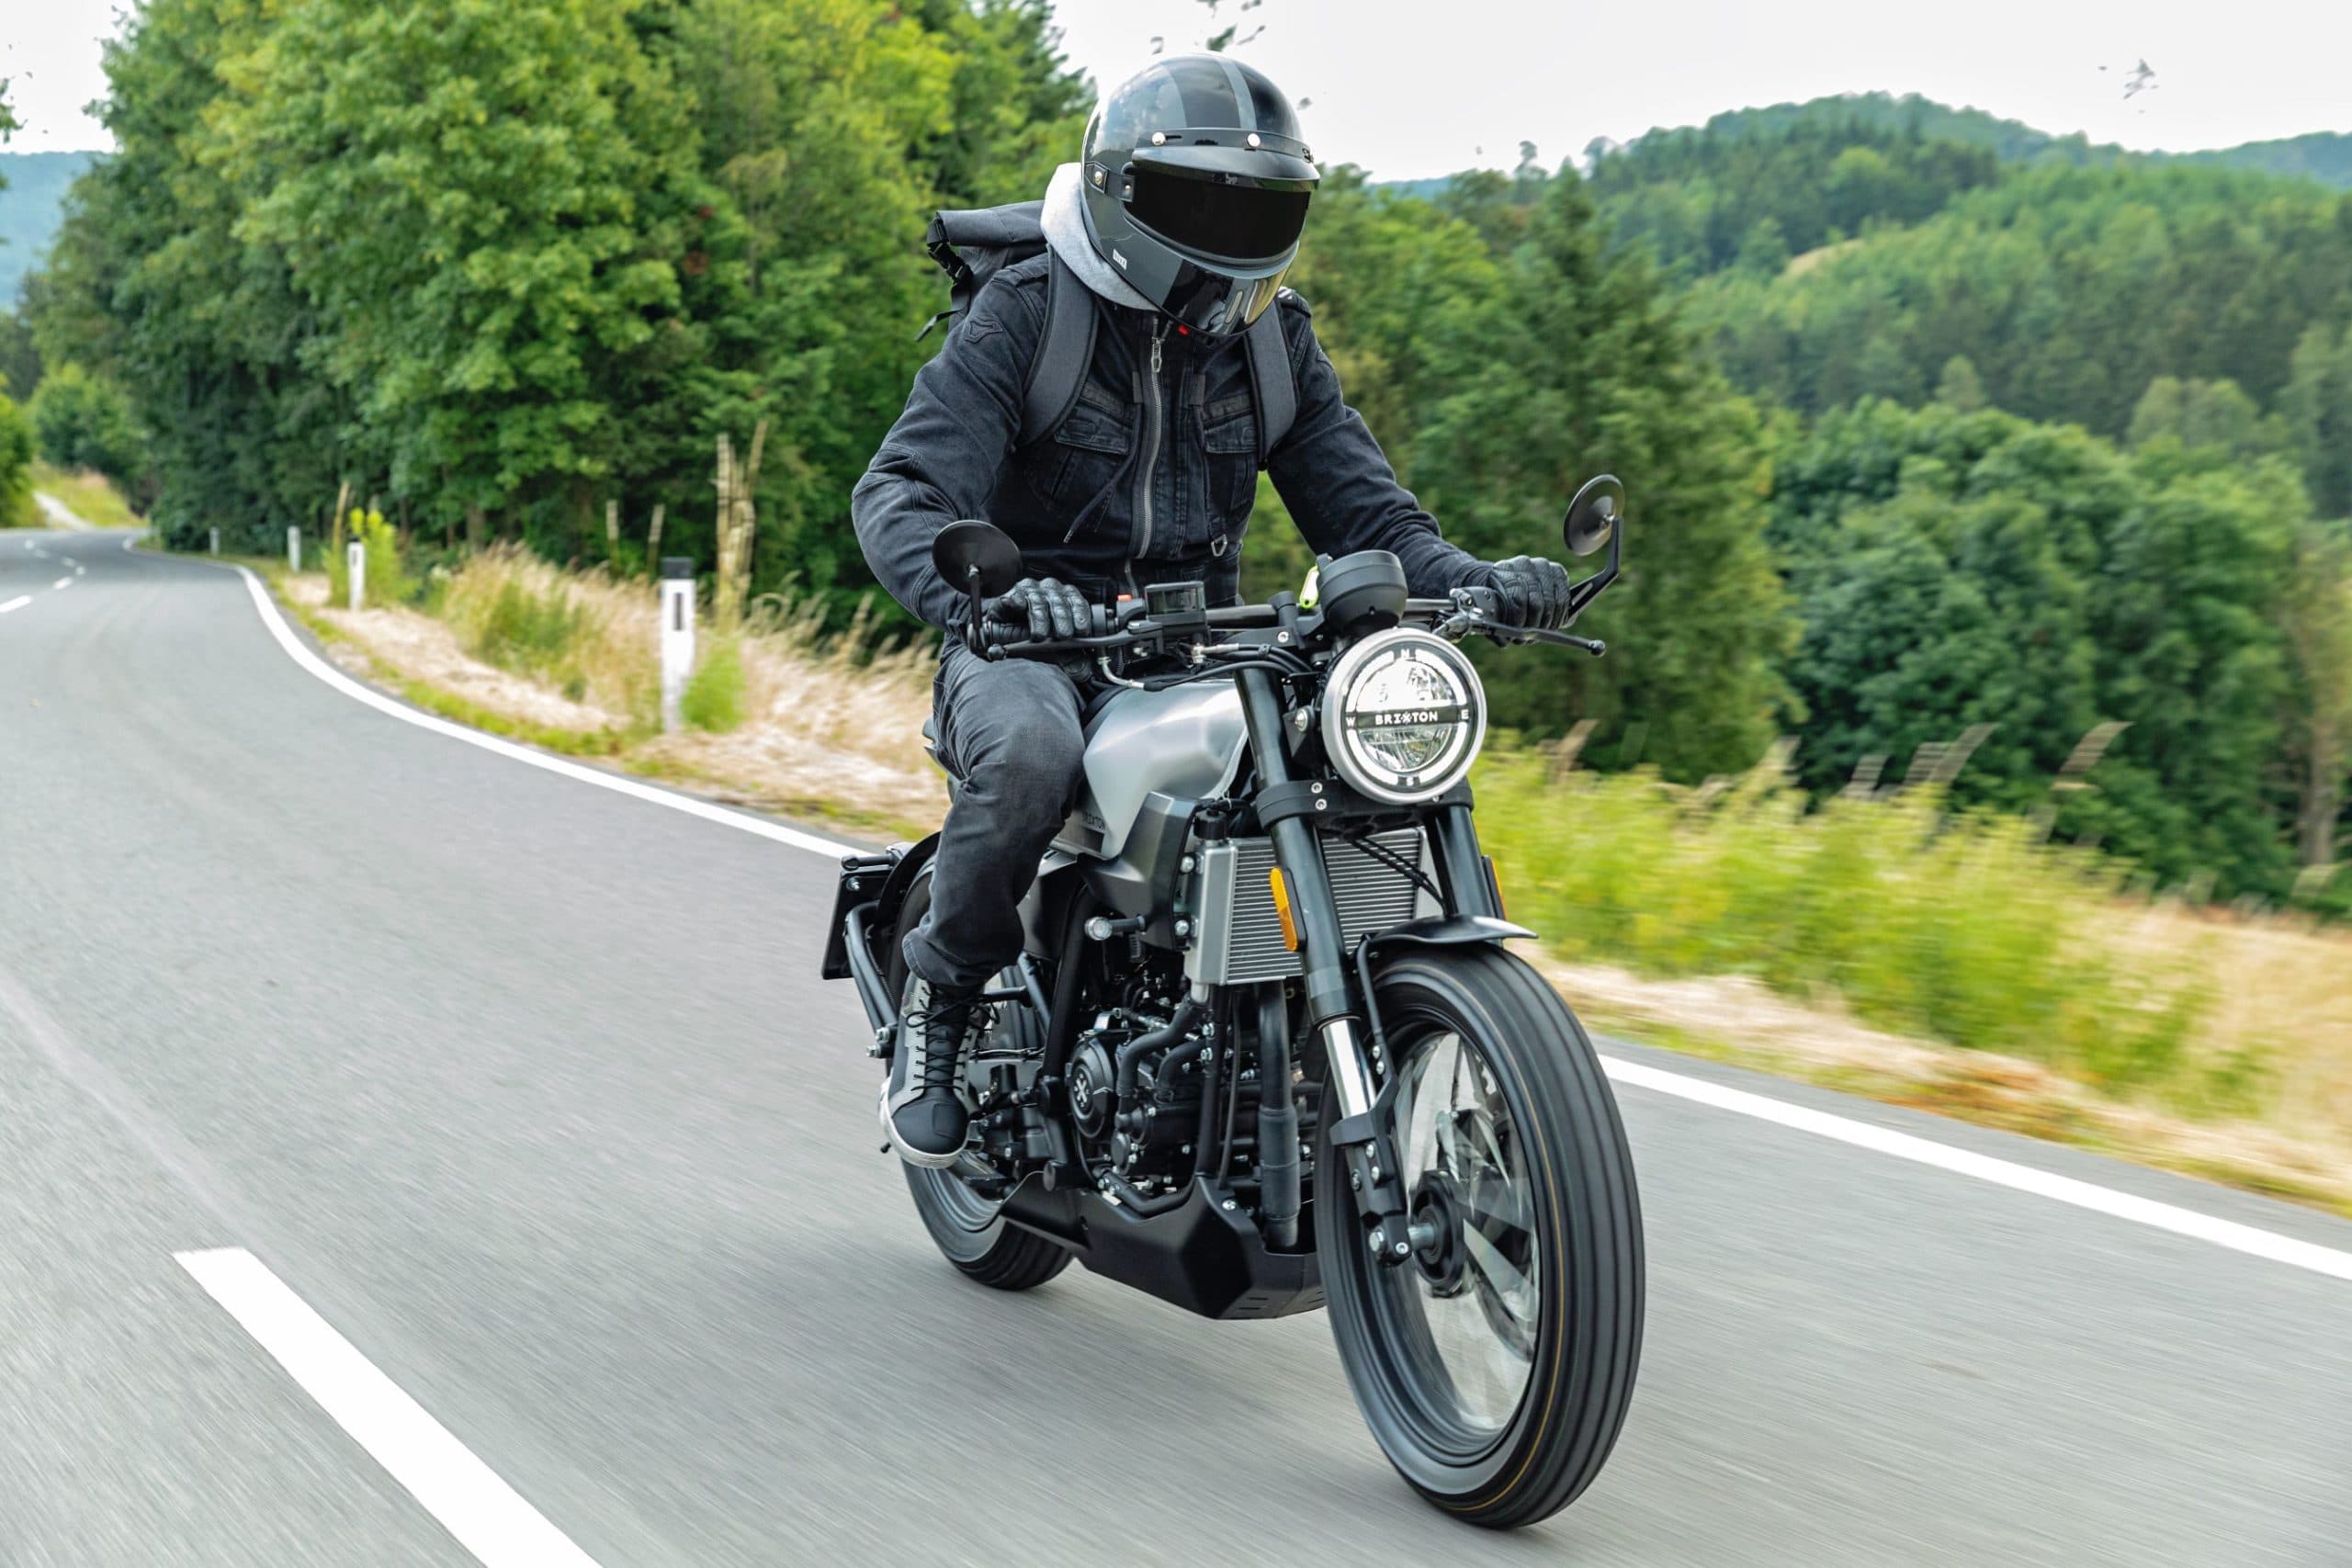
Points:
point(1281, 908)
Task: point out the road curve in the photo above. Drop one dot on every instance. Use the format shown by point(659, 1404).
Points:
point(529, 1089)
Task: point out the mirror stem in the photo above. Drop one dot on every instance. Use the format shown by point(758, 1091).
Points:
point(972, 639)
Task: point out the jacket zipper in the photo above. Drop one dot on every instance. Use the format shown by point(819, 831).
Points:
point(1152, 420)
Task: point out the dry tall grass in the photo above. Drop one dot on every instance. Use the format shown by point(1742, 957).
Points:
point(589, 635)
point(828, 715)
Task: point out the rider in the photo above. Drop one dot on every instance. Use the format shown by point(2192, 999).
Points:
point(1180, 218)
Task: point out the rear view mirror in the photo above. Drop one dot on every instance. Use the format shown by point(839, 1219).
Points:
point(1594, 514)
point(976, 558)
point(1596, 518)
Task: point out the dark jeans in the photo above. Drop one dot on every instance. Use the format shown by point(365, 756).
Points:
point(1009, 731)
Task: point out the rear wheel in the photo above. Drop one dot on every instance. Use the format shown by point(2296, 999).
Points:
point(968, 1228)
point(1496, 1363)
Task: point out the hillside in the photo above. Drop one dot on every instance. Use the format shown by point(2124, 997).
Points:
point(33, 201)
point(2324, 155)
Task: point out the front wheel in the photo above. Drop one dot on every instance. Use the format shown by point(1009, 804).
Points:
point(1495, 1363)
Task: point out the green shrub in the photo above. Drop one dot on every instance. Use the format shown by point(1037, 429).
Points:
point(16, 508)
point(714, 697)
point(1970, 928)
point(82, 422)
point(385, 581)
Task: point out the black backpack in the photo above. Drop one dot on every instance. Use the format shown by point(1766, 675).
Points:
point(974, 244)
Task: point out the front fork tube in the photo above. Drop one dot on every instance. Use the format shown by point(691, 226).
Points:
point(1332, 1009)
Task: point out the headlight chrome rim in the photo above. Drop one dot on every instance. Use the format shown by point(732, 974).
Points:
point(1373, 657)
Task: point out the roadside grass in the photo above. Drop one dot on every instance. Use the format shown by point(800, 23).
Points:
point(714, 697)
point(584, 633)
point(1966, 928)
point(595, 638)
point(384, 578)
point(88, 494)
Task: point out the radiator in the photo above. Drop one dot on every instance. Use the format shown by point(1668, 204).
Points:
point(1238, 937)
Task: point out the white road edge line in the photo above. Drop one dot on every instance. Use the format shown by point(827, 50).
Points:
point(2169, 1217)
point(342, 683)
point(19, 603)
point(2248, 1239)
point(489, 1518)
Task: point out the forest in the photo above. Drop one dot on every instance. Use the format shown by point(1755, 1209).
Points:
point(1957, 450)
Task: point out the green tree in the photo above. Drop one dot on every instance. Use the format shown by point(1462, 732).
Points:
point(1960, 386)
point(16, 509)
point(1576, 365)
point(1956, 570)
point(149, 286)
point(1765, 250)
point(2317, 405)
point(2318, 624)
point(489, 203)
point(82, 422)
point(2202, 413)
point(808, 109)
point(19, 354)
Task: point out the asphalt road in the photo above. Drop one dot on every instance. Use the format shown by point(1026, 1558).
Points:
point(529, 1089)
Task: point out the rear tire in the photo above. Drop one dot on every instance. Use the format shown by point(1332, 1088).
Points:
point(969, 1229)
point(1496, 1364)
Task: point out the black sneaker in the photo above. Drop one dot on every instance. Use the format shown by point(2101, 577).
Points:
point(922, 1110)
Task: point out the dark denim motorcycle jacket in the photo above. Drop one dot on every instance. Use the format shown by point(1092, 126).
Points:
point(1096, 503)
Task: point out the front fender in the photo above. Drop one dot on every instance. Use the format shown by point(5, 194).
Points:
point(1442, 930)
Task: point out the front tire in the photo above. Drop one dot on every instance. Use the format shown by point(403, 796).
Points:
point(969, 1229)
point(1496, 1364)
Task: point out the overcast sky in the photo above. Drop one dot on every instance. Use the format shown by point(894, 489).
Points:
point(1434, 86)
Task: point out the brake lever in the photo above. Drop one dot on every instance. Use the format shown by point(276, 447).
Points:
point(1591, 645)
point(1469, 620)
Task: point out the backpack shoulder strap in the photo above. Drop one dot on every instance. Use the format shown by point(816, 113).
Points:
point(1065, 348)
point(1271, 381)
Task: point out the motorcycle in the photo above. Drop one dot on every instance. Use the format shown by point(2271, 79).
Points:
point(1265, 1049)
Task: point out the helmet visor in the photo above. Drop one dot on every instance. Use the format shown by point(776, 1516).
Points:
point(1219, 218)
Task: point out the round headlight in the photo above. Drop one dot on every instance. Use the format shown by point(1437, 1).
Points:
point(1403, 716)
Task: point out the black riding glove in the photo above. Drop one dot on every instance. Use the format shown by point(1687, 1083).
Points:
point(1035, 609)
point(1530, 592)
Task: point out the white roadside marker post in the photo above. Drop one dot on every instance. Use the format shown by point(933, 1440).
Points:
point(216, 541)
point(354, 556)
point(294, 548)
point(677, 634)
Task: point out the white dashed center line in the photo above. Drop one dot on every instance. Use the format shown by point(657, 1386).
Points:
point(488, 1516)
point(19, 603)
point(61, 582)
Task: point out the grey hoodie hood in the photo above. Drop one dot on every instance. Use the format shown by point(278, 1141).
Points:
point(1064, 220)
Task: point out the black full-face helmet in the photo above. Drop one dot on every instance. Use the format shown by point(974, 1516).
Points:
point(1197, 185)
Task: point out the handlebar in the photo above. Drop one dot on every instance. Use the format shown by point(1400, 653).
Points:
point(1468, 612)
